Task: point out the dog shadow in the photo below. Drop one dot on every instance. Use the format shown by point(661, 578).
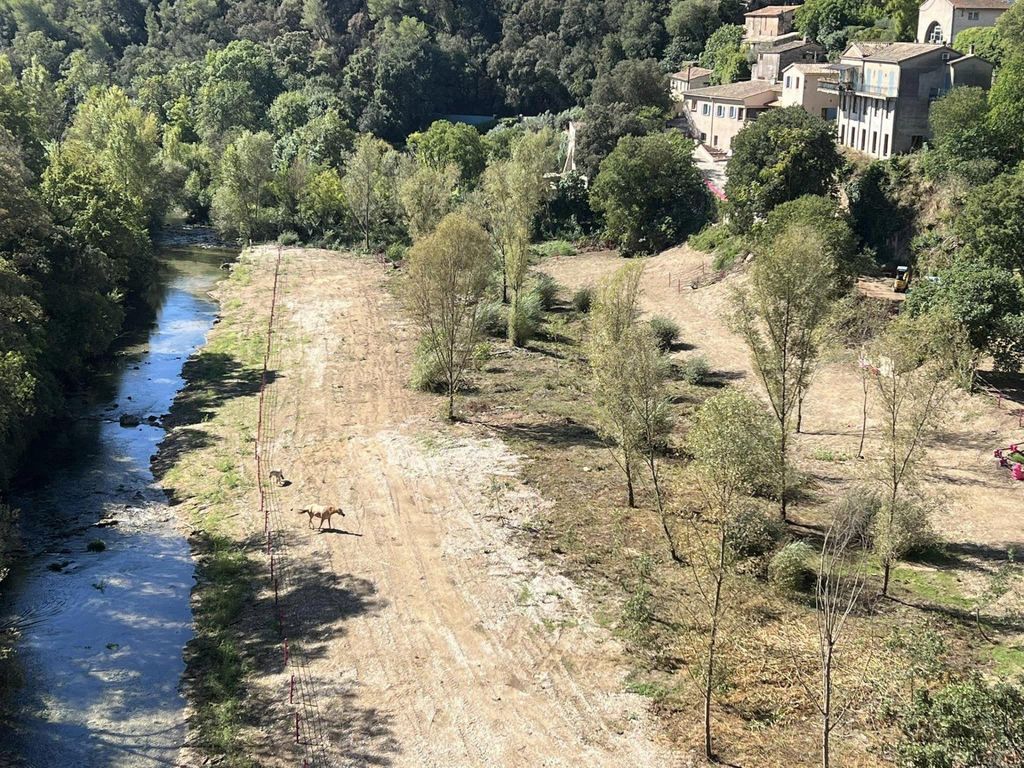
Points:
point(339, 532)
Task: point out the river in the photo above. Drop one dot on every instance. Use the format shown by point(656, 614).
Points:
point(101, 597)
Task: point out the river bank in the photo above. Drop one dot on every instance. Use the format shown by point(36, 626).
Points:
point(97, 603)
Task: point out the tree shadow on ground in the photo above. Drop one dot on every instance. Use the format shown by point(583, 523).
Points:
point(559, 432)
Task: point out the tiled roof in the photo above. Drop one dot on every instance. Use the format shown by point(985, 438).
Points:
point(897, 52)
point(987, 5)
point(772, 10)
point(790, 45)
point(740, 90)
point(822, 68)
point(692, 73)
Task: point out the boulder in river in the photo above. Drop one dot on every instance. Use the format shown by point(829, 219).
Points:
point(129, 420)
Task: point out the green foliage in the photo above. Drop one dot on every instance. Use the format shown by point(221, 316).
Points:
point(427, 374)
point(582, 299)
point(783, 155)
point(788, 569)
point(987, 43)
point(752, 533)
point(546, 288)
point(876, 213)
point(633, 83)
point(666, 331)
point(650, 192)
point(1006, 100)
point(822, 215)
point(725, 55)
point(695, 370)
point(982, 298)
point(963, 143)
point(603, 125)
point(447, 144)
point(556, 248)
point(525, 317)
point(991, 225)
point(965, 724)
point(242, 196)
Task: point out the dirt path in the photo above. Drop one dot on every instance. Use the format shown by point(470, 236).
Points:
point(430, 638)
point(981, 506)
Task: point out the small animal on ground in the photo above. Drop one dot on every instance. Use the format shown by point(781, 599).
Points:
point(277, 477)
point(327, 514)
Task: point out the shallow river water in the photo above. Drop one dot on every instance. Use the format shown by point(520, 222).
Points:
point(101, 598)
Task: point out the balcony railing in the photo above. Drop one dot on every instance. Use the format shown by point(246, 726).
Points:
point(863, 89)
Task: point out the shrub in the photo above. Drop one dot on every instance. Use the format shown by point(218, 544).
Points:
point(427, 375)
point(666, 331)
point(396, 252)
point(695, 370)
point(96, 545)
point(482, 354)
point(555, 248)
point(788, 567)
point(752, 533)
point(288, 238)
point(492, 319)
point(546, 289)
point(528, 318)
point(583, 299)
point(909, 532)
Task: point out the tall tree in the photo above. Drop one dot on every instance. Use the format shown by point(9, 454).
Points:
point(781, 314)
point(448, 274)
point(427, 194)
point(367, 184)
point(241, 198)
point(727, 469)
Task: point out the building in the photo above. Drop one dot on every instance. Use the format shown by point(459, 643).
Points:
point(773, 58)
point(714, 115)
point(940, 21)
point(800, 83)
point(769, 22)
point(685, 80)
point(886, 89)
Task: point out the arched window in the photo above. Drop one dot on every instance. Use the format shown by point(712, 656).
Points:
point(934, 33)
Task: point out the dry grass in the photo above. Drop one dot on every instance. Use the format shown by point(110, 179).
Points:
point(535, 400)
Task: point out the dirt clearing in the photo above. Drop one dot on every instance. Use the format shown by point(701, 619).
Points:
point(430, 637)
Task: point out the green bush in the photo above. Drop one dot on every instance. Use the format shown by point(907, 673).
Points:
point(710, 238)
point(695, 370)
point(528, 318)
point(493, 321)
point(396, 252)
point(482, 354)
point(583, 299)
point(288, 238)
point(554, 248)
point(908, 532)
point(666, 331)
point(96, 545)
point(752, 533)
point(546, 289)
point(788, 568)
point(427, 375)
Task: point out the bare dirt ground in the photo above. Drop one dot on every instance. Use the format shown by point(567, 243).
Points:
point(981, 505)
point(435, 640)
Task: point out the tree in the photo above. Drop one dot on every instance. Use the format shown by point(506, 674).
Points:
point(239, 84)
point(876, 213)
point(322, 207)
point(962, 140)
point(366, 184)
point(725, 55)
point(838, 587)
point(823, 215)
point(730, 441)
point(991, 224)
point(784, 154)
point(917, 364)
point(427, 194)
point(1006, 99)
point(613, 316)
point(691, 23)
point(977, 296)
point(448, 274)
point(904, 18)
point(445, 144)
point(781, 315)
point(241, 198)
point(987, 42)
point(601, 128)
point(634, 83)
point(650, 192)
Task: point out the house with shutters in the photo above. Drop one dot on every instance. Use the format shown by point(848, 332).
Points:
point(769, 22)
point(800, 88)
point(940, 21)
point(773, 58)
point(687, 79)
point(885, 90)
point(714, 115)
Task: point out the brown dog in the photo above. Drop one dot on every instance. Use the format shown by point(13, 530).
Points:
point(321, 513)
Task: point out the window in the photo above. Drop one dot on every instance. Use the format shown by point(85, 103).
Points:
point(797, 82)
point(719, 111)
point(732, 111)
point(788, 81)
point(842, 134)
point(714, 141)
point(973, 15)
point(934, 34)
point(885, 145)
point(703, 137)
point(874, 142)
point(863, 139)
point(739, 113)
point(705, 109)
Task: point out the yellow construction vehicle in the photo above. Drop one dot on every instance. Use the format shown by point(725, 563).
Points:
point(902, 281)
